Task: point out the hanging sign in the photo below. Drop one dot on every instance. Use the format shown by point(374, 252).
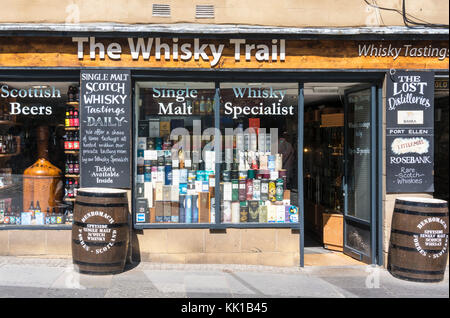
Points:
point(409, 132)
point(105, 128)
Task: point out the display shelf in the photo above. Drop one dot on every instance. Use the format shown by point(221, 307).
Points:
point(72, 175)
point(9, 123)
point(73, 103)
point(71, 128)
point(69, 199)
point(72, 152)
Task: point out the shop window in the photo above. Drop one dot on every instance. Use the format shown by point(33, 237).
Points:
point(258, 123)
point(38, 152)
point(175, 160)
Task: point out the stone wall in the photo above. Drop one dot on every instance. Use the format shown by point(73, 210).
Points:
point(292, 13)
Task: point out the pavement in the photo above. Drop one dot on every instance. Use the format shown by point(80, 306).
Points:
point(50, 278)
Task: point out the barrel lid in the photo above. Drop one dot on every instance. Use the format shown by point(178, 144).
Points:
point(101, 192)
point(422, 200)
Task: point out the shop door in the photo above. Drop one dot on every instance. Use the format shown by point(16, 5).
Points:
point(359, 165)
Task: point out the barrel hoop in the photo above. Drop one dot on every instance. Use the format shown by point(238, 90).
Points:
point(404, 232)
point(103, 205)
point(109, 226)
point(415, 271)
point(101, 195)
point(397, 210)
point(412, 249)
point(98, 243)
point(97, 264)
point(421, 280)
point(422, 204)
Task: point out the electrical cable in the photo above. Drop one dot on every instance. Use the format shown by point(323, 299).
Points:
point(408, 18)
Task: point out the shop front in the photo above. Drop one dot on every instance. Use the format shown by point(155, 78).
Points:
point(255, 149)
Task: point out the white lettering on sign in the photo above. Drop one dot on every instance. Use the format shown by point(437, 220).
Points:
point(198, 50)
point(407, 50)
point(432, 242)
point(97, 233)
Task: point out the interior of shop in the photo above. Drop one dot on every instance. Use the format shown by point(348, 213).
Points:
point(38, 121)
point(324, 166)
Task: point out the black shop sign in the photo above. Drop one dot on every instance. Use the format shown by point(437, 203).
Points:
point(409, 132)
point(105, 129)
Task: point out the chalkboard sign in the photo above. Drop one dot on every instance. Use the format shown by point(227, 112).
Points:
point(409, 132)
point(105, 129)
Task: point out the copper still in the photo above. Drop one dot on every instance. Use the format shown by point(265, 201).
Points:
point(42, 181)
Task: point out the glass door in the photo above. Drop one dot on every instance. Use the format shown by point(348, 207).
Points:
point(359, 159)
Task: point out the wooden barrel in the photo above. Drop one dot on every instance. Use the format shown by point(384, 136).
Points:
point(100, 232)
point(418, 246)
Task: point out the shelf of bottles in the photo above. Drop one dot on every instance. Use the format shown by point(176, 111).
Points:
point(71, 148)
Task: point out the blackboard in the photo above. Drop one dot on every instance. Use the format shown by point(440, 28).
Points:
point(409, 132)
point(105, 106)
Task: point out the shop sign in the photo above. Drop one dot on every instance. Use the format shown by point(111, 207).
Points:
point(105, 128)
point(409, 132)
point(41, 92)
point(168, 50)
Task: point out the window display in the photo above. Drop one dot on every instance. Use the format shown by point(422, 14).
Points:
point(175, 166)
point(38, 137)
point(258, 169)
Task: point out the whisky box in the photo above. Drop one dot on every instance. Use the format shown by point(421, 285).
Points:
point(204, 207)
point(142, 213)
point(152, 212)
point(293, 214)
point(254, 123)
point(264, 190)
point(176, 177)
point(263, 162)
point(226, 212)
point(143, 128)
point(213, 209)
point(188, 208)
point(167, 211)
point(142, 143)
point(281, 213)
point(242, 190)
point(253, 211)
point(183, 175)
point(148, 191)
point(227, 191)
point(175, 210)
point(159, 208)
point(256, 189)
point(278, 162)
point(272, 213)
point(160, 174)
point(195, 208)
point(262, 216)
point(182, 188)
point(235, 212)
point(164, 128)
point(159, 191)
point(140, 190)
point(262, 141)
point(176, 123)
point(153, 125)
point(249, 189)
point(174, 193)
point(243, 212)
point(182, 212)
point(167, 192)
point(235, 190)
